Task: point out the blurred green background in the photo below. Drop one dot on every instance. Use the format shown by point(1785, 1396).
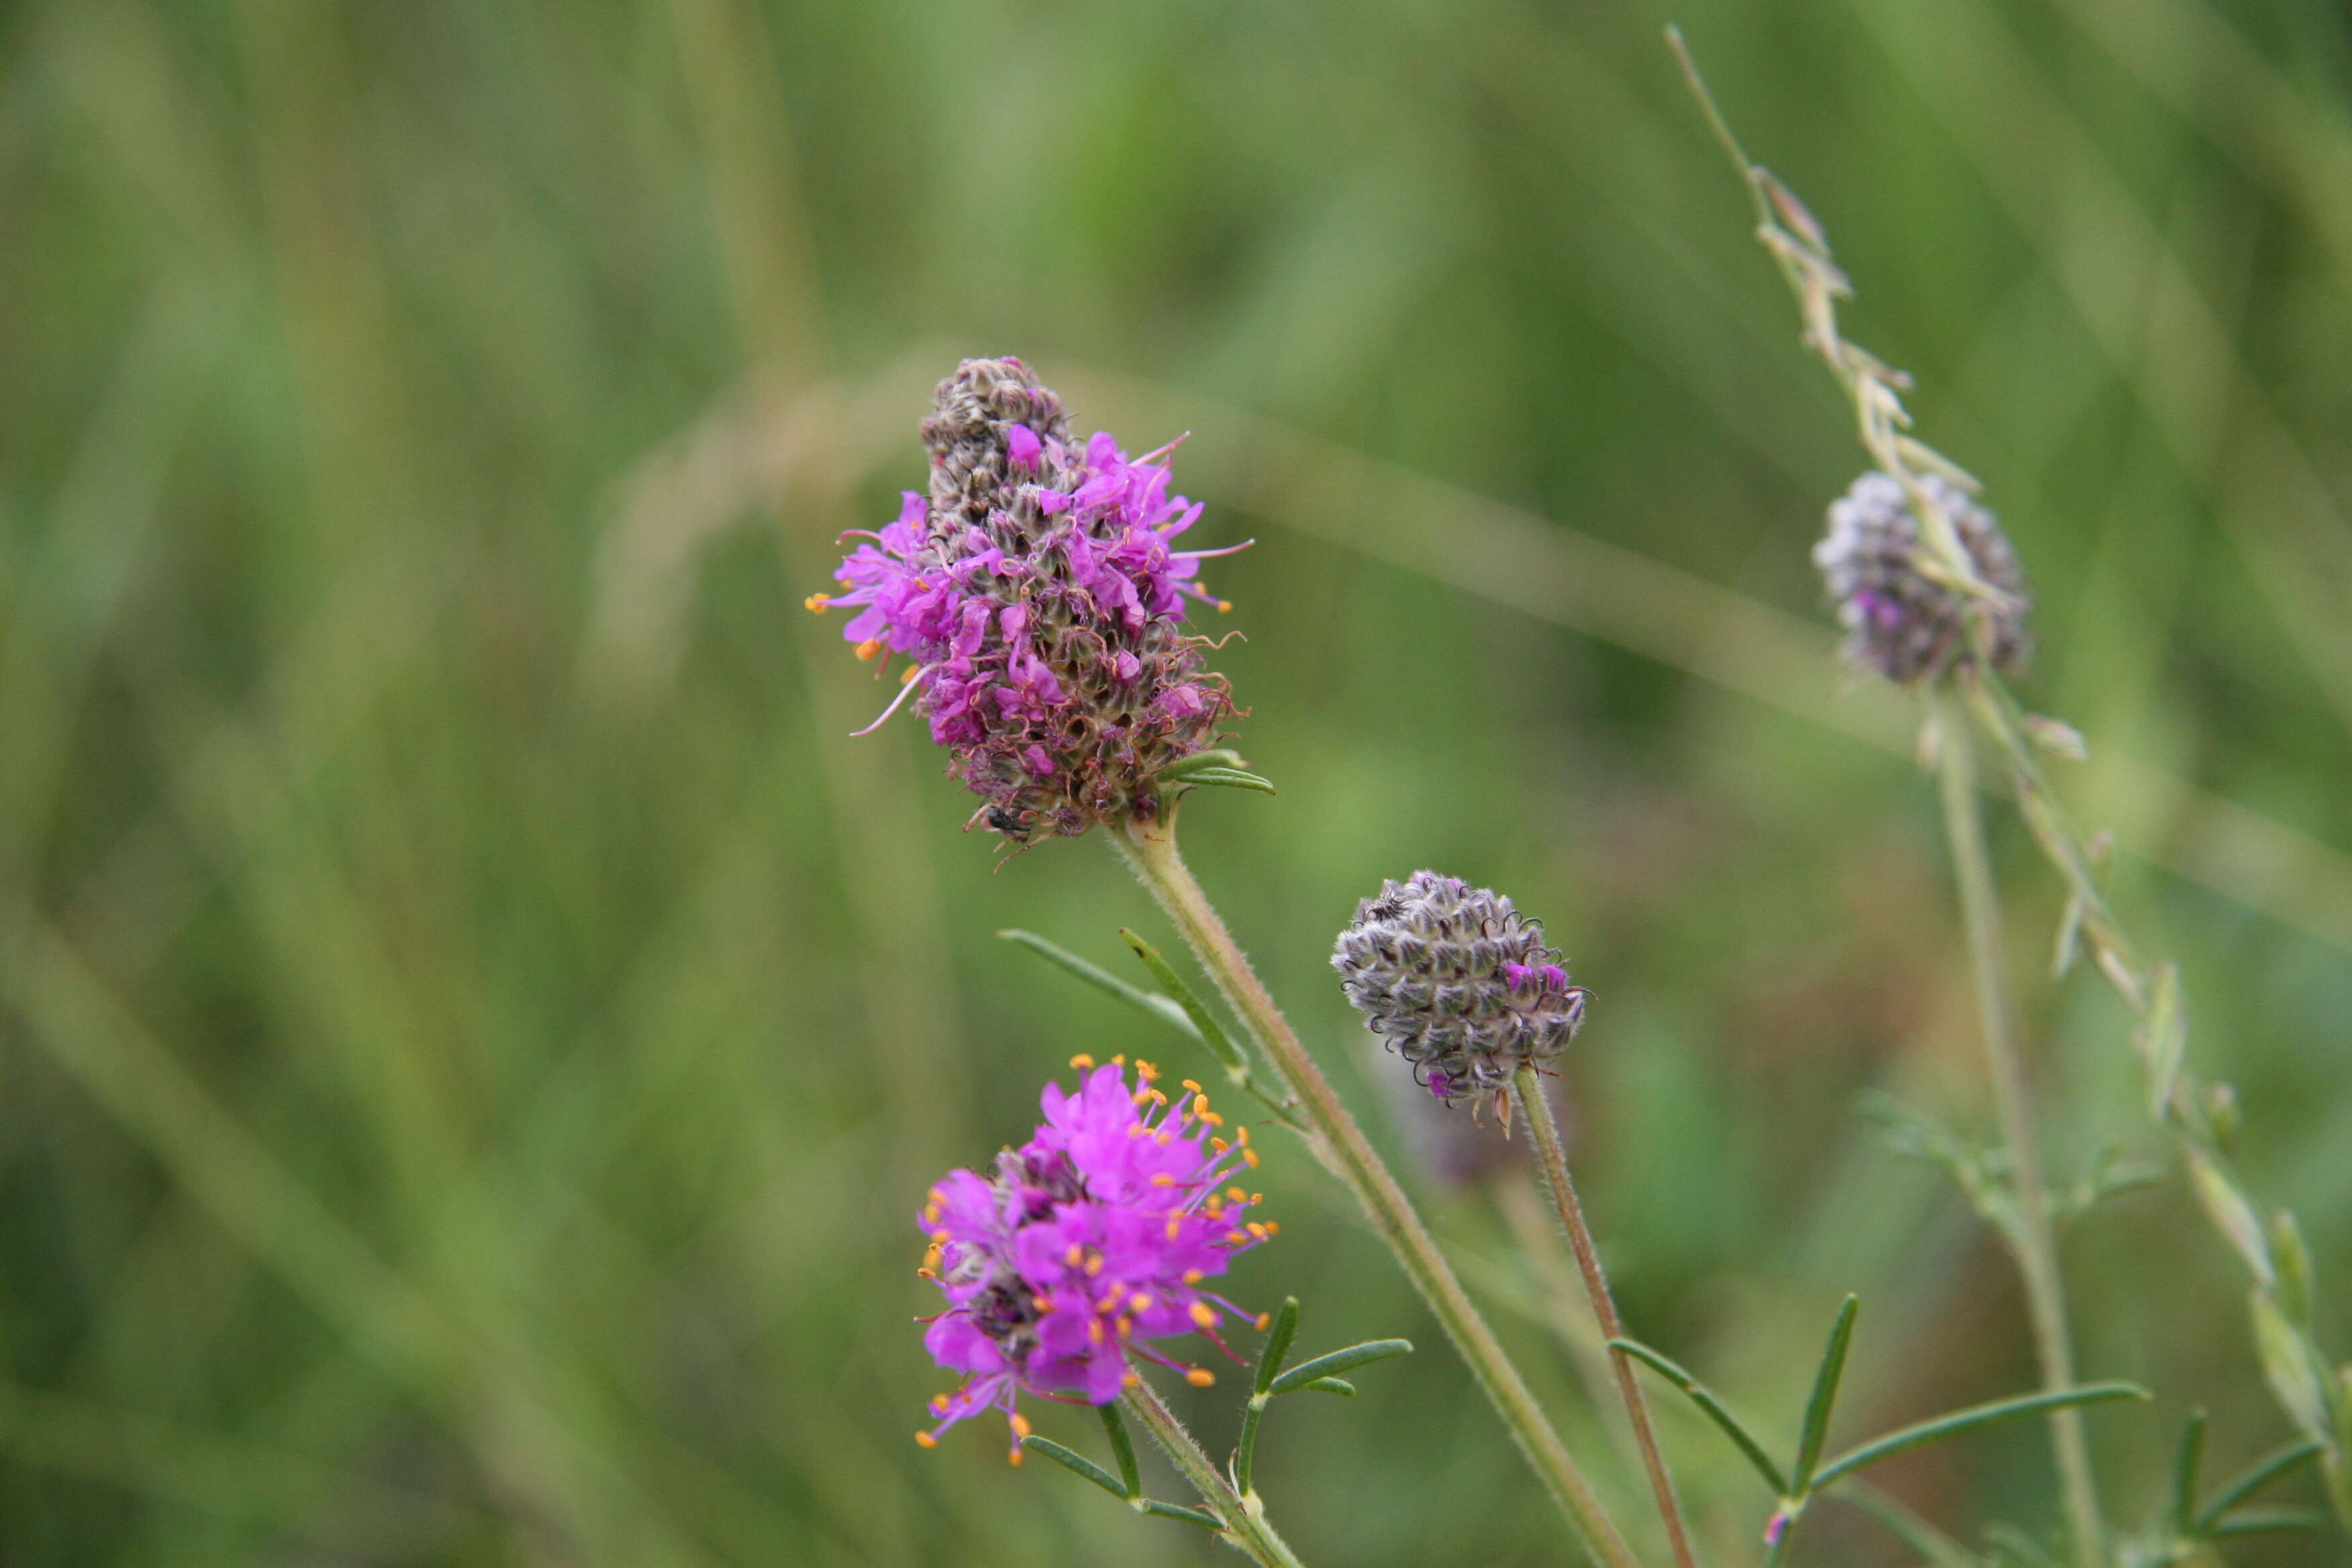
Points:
point(473, 1032)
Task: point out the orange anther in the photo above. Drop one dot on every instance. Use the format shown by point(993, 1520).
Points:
point(1201, 1377)
point(1082, 1060)
point(817, 602)
point(870, 648)
point(926, 1440)
point(1204, 1314)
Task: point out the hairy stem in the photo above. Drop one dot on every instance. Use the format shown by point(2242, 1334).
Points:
point(1246, 1525)
point(2034, 1242)
point(1536, 1112)
point(1150, 848)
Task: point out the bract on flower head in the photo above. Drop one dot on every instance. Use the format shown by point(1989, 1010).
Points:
point(1900, 621)
point(1084, 1245)
point(1458, 983)
point(1041, 592)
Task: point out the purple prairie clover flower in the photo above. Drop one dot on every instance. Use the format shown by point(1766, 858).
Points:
point(1039, 590)
point(1086, 1245)
point(1899, 621)
point(1458, 983)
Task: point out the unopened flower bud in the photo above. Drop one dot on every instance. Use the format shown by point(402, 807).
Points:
point(1458, 983)
point(1900, 621)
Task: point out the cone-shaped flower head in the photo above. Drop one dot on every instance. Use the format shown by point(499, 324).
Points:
point(1039, 592)
point(1084, 1245)
point(1899, 621)
point(1458, 983)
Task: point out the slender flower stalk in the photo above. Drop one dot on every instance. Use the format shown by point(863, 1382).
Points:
point(1247, 1526)
point(1148, 843)
point(2034, 1239)
point(1527, 1093)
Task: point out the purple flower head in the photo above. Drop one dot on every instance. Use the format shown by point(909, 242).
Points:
point(1041, 595)
point(1458, 983)
point(1084, 1245)
point(1899, 621)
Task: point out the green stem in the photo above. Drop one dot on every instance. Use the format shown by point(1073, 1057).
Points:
point(1245, 1522)
point(1150, 849)
point(2034, 1242)
point(1527, 1089)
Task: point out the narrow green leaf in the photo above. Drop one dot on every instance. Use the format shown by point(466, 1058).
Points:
point(1339, 1385)
point(1077, 1464)
point(2232, 1215)
point(2292, 1259)
point(1825, 1396)
point(1159, 1007)
point(1277, 1344)
point(2247, 1482)
point(1714, 1409)
point(2069, 945)
point(1172, 1511)
point(1123, 1449)
point(1185, 767)
point(2268, 1521)
point(1212, 1034)
point(2184, 1475)
point(2165, 1037)
point(1232, 778)
point(1974, 1418)
point(2295, 1375)
point(1307, 1372)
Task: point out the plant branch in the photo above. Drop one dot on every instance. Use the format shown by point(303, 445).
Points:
point(1149, 851)
point(1536, 1112)
point(2034, 1241)
point(1244, 1525)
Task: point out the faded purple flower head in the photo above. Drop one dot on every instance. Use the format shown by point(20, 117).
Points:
point(1900, 621)
point(1084, 1245)
point(1458, 983)
point(1040, 593)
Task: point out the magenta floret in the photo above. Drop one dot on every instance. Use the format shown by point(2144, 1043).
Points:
point(1089, 1242)
point(1040, 592)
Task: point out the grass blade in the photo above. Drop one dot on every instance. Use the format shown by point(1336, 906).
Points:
point(1277, 1344)
point(1123, 1449)
point(1205, 1026)
point(1825, 1396)
point(2184, 1475)
point(1323, 1366)
point(1974, 1418)
point(1075, 1463)
point(2253, 1479)
point(1157, 1510)
point(1161, 1008)
point(1714, 1409)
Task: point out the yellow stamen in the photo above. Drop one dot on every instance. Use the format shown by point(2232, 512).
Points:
point(1145, 1070)
point(1074, 1253)
point(817, 602)
point(1193, 1277)
point(1139, 1302)
point(1143, 1094)
point(1165, 1135)
point(1215, 1207)
point(1274, 1228)
point(1219, 1144)
point(1263, 1319)
point(1175, 1227)
point(1212, 1119)
point(1135, 1129)
point(1020, 1424)
point(1094, 1267)
point(1236, 1236)
point(1014, 1458)
point(1126, 1327)
point(926, 1440)
point(1251, 1156)
point(1225, 606)
point(1194, 1087)
point(912, 670)
point(1094, 1331)
point(1163, 1180)
point(1201, 1377)
point(1130, 1381)
point(870, 649)
point(1120, 1059)
point(1257, 1228)
point(1236, 1194)
point(1241, 1135)
point(1082, 1060)
point(1200, 1105)
point(1043, 1303)
point(1204, 1314)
